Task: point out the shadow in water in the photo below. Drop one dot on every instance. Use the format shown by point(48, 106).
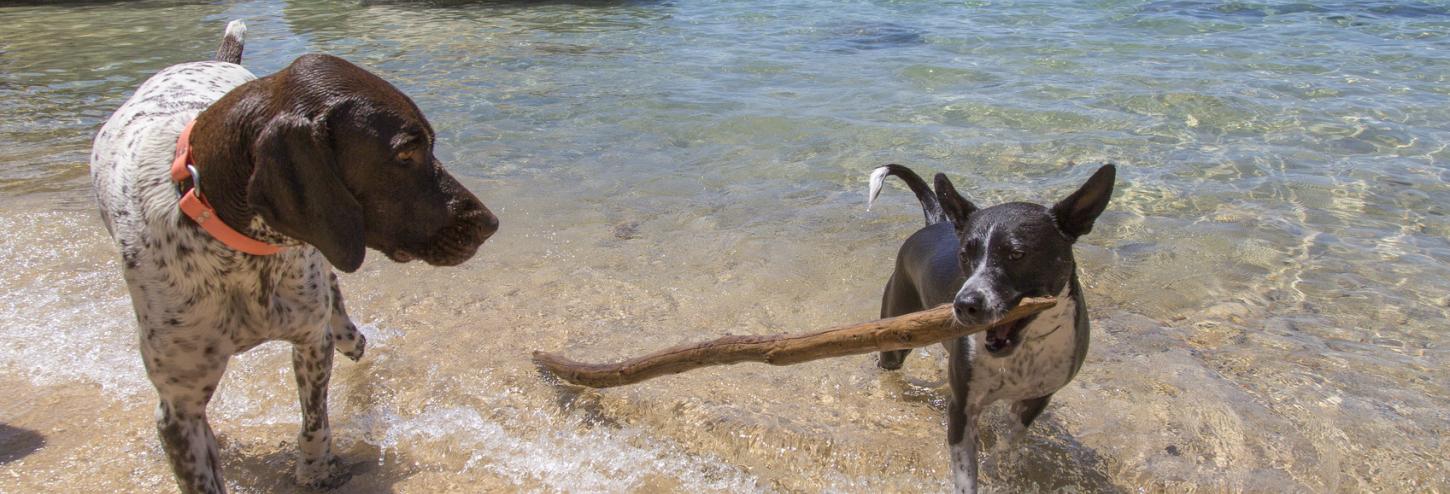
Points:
point(573, 398)
point(1046, 459)
point(856, 36)
point(371, 470)
point(931, 392)
point(17, 443)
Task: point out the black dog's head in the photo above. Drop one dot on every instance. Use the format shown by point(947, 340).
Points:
point(1016, 250)
point(344, 161)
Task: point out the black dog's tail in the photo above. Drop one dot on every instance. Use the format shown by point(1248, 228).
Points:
point(231, 49)
point(929, 206)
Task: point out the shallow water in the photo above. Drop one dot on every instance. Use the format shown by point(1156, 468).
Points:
point(1269, 287)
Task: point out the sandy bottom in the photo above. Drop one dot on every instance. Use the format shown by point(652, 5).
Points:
point(1227, 396)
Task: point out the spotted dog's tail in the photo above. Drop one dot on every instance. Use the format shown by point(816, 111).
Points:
point(231, 49)
point(929, 206)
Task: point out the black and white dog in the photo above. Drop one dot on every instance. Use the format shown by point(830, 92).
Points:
point(984, 262)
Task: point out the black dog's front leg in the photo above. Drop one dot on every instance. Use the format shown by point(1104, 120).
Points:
point(896, 300)
point(962, 419)
point(1028, 410)
point(892, 360)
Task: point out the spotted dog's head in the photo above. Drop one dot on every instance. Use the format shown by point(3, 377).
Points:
point(342, 160)
point(1016, 250)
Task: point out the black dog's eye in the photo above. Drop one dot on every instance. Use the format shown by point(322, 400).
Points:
point(1015, 254)
point(970, 248)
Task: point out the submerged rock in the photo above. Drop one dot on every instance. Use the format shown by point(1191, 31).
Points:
point(858, 36)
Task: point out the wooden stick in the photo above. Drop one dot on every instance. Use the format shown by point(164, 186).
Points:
point(912, 330)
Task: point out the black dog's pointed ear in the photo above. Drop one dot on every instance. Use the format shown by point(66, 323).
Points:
point(1075, 214)
point(297, 187)
point(956, 207)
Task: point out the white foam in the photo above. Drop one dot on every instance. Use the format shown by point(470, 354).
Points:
point(259, 387)
point(559, 456)
point(66, 317)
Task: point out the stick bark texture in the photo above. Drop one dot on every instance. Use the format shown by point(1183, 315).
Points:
point(912, 330)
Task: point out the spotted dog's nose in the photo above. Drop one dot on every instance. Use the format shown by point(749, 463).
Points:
point(490, 224)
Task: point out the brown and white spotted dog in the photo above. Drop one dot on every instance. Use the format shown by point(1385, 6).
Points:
point(322, 159)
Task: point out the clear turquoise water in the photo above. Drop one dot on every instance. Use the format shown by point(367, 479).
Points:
point(1270, 283)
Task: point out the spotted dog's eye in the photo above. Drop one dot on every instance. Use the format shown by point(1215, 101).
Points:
point(1015, 254)
point(407, 156)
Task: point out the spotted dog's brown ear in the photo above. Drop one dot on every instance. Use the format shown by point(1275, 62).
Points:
point(296, 186)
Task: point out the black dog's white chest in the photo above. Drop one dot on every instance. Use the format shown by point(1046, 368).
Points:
point(1044, 362)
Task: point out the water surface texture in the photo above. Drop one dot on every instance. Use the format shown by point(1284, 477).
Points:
point(1269, 287)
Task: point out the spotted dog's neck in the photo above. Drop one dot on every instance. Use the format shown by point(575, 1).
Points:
point(221, 145)
point(257, 228)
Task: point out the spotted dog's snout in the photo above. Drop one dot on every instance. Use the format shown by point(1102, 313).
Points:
point(483, 221)
point(488, 226)
point(448, 233)
point(472, 224)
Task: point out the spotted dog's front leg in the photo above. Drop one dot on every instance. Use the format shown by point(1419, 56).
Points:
point(312, 364)
point(185, 385)
point(350, 342)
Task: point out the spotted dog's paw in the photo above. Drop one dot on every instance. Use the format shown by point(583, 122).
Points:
point(323, 475)
point(349, 341)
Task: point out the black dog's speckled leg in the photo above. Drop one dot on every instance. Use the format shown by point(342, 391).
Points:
point(962, 433)
point(1028, 410)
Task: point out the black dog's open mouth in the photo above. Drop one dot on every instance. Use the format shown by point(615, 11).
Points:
point(1002, 340)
